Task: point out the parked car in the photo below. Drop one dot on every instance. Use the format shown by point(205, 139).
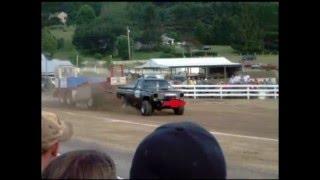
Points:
point(248, 57)
point(256, 66)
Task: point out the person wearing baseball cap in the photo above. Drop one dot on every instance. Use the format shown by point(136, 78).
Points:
point(179, 150)
point(53, 131)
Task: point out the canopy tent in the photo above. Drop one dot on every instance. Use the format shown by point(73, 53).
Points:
point(193, 62)
point(151, 65)
point(188, 62)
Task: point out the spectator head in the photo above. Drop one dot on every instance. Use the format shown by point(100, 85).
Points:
point(53, 131)
point(81, 164)
point(179, 150)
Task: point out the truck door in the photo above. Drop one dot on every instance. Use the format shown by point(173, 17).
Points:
point(137, 92)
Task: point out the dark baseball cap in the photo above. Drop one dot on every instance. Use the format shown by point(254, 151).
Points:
point(179, 150)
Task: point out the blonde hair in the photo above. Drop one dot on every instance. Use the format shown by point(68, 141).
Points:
point(81, 164)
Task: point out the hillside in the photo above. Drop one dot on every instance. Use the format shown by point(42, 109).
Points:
point(246, 27)
point(69, 52)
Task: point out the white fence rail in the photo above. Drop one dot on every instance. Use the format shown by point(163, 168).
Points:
point(248, 91)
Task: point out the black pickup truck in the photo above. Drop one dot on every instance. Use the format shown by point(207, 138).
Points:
point(149, 94)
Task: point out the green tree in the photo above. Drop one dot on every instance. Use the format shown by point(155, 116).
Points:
point(85, 15)
point(174, 35)
point(60, 43)
point(248, 35)
point(122, 46)
point(150, 25)
point(49, 43)
point(97, 36)
point(201, 32)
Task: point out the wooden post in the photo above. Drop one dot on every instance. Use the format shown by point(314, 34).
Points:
point(248, 93)
point(275, 92)
point(221, 92)
point(207, 69)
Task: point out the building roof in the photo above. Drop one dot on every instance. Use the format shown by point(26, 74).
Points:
point(151, 64)
point(188, 62)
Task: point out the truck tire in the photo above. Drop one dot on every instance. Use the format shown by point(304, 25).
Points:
point(61, 100)
point(90, 103)
point(124, 102)
point(146, 108)
point(179, 111)
point(69, 100)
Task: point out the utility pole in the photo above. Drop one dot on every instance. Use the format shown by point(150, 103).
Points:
point(77, 60)
point(128, 31)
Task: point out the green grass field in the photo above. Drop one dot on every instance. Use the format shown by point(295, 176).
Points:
point(146, 55)
point(230, 54)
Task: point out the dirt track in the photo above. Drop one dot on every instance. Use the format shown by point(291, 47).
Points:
point(246, 129)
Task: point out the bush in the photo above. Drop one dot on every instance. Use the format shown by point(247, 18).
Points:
point(167, 55)
point(49, 43)
point(60, 43)
point(98, 56)
point(212, 54)
point(174, 35)
point(167, 49)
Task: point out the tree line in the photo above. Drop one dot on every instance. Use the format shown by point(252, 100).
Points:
point(101, 26)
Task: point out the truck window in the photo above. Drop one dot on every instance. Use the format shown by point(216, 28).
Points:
point(132, 84)
point(152, 84)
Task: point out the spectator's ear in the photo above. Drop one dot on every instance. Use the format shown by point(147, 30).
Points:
point(55, 149)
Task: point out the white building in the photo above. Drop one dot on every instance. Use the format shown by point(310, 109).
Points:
point(167, 40)
point(48, 67)
point(63, 17)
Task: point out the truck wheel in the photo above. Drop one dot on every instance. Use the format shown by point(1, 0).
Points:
point(124, 102)
point(69, 100)
point(146, 108)
point(179, 111)
point(61, 100)
point(90, 103)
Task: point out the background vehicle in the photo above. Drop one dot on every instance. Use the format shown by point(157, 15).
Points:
point(149, 94)
point(89, 91)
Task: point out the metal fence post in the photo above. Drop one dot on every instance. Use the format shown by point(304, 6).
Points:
point(248, 94)
point(275, 92)
point(194, 92)
point(220, 92)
